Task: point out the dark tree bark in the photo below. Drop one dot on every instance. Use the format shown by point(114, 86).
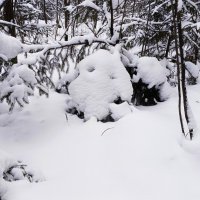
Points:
point(44, 11)
point(183, 105)
point(8, 14)
point(111, 19)
point(67, 18)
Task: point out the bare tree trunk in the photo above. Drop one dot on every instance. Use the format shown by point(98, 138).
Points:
point(183, 106)
point(9, 16)
point(44, 11)
point(145, 42)
point(67, 18)
point(111, 19)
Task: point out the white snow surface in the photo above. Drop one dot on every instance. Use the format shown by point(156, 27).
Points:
point(119, 110)
point(150, 71)
point(102, 80)
point(10, 47)
point(192, 69)
point(142, 156)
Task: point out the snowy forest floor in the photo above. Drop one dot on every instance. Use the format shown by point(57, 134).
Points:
point(140, 157)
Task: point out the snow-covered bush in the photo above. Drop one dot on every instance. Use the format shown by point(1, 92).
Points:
point(149, 80)
point(17, 85)
point(102, 80)
point(13, 170)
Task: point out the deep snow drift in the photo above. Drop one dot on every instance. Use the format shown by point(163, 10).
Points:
point(140, 157)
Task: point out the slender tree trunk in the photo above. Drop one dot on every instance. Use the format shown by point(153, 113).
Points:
point(145, 42)
point(9, 16)
point(111, 19)
point(183, 105)
point(44, 11)
point(67, 18)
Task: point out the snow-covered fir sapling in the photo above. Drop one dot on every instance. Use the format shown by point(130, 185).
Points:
point(17, 86)
point(149, 79)
point(102, 81)
point(16, 81)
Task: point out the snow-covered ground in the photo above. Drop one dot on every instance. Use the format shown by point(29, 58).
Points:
point(142, 156)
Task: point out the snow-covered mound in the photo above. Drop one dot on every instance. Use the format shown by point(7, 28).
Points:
point(150, 71)
point(10, 46)
point(102, 80)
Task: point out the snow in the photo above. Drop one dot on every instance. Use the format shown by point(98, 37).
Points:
point(64, 81)
point(1, 2)
point(102, 80)
point(26, 74)
point(6, 161)
point(192, 69)
point(180, 5)
point(10, 46)
point(89, 3)
point(18, 85)
point(116, 3)
point(119, 110)
point(141, 156)
point(150, 71)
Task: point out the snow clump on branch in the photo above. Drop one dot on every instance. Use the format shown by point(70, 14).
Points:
point(10, 46)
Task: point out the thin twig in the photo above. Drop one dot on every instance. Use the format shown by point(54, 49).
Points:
point(106, 130)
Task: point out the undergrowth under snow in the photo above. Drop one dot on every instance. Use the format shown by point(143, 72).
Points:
point(102, 80)
point(142, 156)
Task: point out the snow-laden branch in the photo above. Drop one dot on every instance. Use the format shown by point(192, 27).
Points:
point(43, 49)
point(86, 3)
point(3, 22)
point(160, 6)
point(77, 40)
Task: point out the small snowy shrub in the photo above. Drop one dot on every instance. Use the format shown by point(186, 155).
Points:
point(102, 80)
point(20, 171)
point(17, 85)
point(13, 170)
point(149, 80)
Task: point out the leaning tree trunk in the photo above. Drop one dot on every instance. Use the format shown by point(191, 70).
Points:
point(183, 106)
